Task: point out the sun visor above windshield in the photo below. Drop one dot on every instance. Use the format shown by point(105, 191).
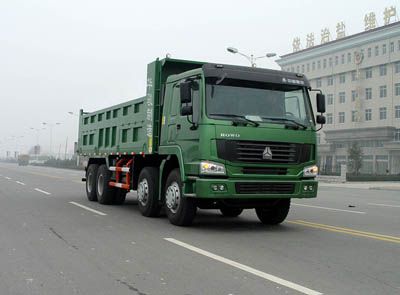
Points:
point(254, 74)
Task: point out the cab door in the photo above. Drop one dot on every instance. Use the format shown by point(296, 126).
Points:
point(172, 116)
point(187, 131)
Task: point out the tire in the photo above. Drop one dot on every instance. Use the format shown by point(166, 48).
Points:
point(148, 202)
point(276, 214)
point(119, 196)
point(105, 193)
point(91, 181)
point(230, 211)
point(180, 210)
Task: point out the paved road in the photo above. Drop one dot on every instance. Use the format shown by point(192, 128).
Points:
point(54, 241)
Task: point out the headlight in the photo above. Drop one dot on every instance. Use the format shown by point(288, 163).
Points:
point(207, 167)
point(310, 171)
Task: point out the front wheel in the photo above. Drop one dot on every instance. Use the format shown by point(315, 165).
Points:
point(275, 214)
point(148, 202)
point(180, 210)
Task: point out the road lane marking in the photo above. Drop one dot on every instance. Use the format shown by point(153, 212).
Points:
point(246, 268)
point(384, 205)
point(19, 182)
point(87, 208)
point(8, 178)
point(42, 191)
point(348, 231)
point(327, 208)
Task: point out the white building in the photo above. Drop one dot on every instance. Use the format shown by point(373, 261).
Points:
point(360, 76)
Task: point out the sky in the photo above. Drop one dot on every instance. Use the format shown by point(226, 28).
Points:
point(62, 56)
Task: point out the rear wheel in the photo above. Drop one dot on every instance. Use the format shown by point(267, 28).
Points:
point(91, 177)
point(275, 214)
point(231, 211)
point(119, 196)
point(148, 202)
point(105, 193)
point(180, 210)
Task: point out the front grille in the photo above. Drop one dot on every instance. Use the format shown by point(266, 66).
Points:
point(265, 170)
point(252, 151)
point(264, 188)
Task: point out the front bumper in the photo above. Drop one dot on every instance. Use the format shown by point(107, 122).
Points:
point(203, 188)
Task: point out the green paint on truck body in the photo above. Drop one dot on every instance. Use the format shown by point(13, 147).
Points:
point(153, 125)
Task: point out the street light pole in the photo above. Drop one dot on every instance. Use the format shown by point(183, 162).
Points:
point(51, 125)
point(251, 58)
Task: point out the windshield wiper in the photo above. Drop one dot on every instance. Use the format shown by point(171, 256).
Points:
point(238, 116)
point(297, 124)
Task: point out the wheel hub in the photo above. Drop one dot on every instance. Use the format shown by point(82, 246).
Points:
point(143, 192)
point(89, 182)
point(173, 197)
point(100, 184)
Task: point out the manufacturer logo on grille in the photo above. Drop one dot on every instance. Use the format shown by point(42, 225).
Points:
point(267, 153)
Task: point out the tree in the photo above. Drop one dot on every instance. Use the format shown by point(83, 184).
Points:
point(355, 158)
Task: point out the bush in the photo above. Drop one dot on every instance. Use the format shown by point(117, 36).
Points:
point(371, 177)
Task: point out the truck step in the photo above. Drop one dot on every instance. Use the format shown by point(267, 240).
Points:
point(119, 185)
point(119, 169)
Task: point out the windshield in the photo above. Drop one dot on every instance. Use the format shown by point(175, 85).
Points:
point(257, 101)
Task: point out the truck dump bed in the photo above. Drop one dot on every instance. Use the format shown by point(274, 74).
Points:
point(132, 126)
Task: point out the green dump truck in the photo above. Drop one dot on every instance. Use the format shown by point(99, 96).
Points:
point(209, 136)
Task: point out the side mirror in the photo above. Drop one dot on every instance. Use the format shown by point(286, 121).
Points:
point(321, 119)
point(186, 92)
point(186, 110)
point(320, 103)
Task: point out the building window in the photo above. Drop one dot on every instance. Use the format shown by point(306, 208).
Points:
point(318, 82)
point(391, 47)
point(397, 67)
point(368, 93)
point(342, 58)
point(330, 99)
point(292, 69)
point(354, 95)
point(308, 67)
point(376, 50)
point(319, 64)
point(397, 112)
point(353, 116)
point(342, 97)
point(342, 78)
point(330, 80)
point(324, 63)
point(329, 119)
point(313, 65)
point(302, 68)
point(397, 135)
point(369, 52)
point(382, 70)
point(336, 60)
point(349, 57)
point(397, 89)
point(398, 45)
point(382, 113)
point(368, 115)
point(368, 73)
point(353, 75)
point(298, 69)
point(384, 49)
point(318, 138)
point(382, 91)
point(330, 61)
point(341, 117)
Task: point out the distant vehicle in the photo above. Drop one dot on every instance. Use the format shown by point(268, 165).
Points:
point(207, 136)
point(23, 160)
